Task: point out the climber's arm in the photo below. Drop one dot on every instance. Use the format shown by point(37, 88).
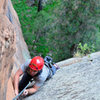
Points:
point(16, 80)
point(38, 83)
point(31, 90)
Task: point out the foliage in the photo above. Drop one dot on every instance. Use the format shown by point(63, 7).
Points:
point(41, 46)
point(60, 26)
point(85, 49)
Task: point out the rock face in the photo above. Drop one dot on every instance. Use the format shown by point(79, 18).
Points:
point(7, 50)
point(13, 50)
point(78, 81)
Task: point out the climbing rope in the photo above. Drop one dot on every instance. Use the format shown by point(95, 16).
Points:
point(22, 91)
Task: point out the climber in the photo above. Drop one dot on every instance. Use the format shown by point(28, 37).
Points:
point(32, 69)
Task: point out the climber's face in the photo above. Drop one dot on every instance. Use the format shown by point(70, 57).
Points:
point(31, 71)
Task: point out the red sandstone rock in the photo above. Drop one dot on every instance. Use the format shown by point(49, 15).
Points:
point(13, 49)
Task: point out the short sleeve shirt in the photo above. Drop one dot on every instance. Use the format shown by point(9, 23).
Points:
point(40, 79)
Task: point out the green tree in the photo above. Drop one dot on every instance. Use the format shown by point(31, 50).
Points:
point(60, 26)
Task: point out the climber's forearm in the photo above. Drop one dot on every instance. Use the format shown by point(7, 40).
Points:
point(32, 90)
point(16, 81)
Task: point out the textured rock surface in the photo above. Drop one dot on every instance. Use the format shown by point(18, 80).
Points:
point(22, 53)
point(13, 50)
point(79, 81)
point(7, 50)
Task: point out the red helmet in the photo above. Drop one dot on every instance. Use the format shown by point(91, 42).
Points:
point(36, 63)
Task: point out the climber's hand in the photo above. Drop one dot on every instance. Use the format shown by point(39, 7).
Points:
point(25, 93)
